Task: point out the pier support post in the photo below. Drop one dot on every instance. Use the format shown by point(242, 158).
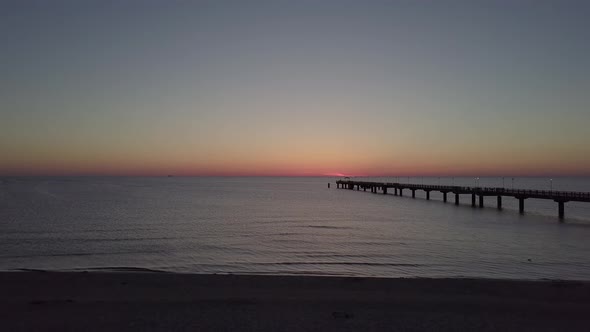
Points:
point(351, 186)
point(395, 191)
point(384, 190)
point(561, 205)
point(456, 199)
point(480, 201)
point(445, 197)
point(427, 194)
point(499, 202)
point(401, 192)
point(413, 193)
point(521, 204)
point(473, 200)
point(364, 188)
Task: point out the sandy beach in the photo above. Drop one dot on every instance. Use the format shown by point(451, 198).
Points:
point(141, 301)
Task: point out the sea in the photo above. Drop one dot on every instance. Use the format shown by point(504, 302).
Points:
point(289, 226)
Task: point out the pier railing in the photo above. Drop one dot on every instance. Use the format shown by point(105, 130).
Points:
point(521, 194)
point(477, 190)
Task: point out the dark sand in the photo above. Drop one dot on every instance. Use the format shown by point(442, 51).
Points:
point(179, 302)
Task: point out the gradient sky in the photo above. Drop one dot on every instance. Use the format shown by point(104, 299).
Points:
point(295, 87)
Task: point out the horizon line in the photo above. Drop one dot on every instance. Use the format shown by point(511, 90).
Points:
point(301, 175)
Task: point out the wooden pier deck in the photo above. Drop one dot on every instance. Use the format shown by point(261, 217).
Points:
point(560, 197)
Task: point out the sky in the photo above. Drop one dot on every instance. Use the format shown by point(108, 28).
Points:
point(484, 88)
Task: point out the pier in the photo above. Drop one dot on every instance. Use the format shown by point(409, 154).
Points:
point(477, 193)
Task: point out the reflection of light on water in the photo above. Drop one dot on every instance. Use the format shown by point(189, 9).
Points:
point(285, 226)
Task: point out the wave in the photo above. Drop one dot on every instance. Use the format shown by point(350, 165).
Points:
point(106, 269)
point(120, 269)
point(338, 263)
point(325, 227)
point(85, 254)
point(320, 255)
point(81, 239)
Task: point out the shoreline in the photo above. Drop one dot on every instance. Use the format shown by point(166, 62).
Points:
point(141, 270)
point(154, 301)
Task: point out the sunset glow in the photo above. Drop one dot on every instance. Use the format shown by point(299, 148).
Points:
point(251, 89)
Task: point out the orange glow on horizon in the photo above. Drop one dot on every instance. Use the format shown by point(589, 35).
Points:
point(293, 158)
point(237, 170)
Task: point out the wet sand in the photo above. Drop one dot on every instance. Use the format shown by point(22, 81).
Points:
point(100, 301)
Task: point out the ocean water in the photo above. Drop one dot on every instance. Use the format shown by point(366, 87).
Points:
point(273, 225)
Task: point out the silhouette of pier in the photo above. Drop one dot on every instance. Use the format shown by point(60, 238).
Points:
point(560, 197)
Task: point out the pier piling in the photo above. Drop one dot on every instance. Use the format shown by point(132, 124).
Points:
point(561, 208)
point(561, 197)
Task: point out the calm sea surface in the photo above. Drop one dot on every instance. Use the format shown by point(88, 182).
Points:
point(287, 226)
